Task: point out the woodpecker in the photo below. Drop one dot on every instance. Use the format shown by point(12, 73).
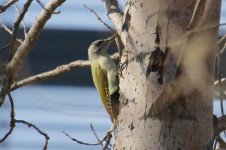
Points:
point(104, 74)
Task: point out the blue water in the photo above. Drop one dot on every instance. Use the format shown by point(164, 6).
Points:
point(54, 109)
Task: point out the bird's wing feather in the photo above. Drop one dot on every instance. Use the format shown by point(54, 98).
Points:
point(101, 83)
point(111, 69)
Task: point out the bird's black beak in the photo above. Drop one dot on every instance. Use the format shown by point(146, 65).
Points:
point(107, 42)
point(110, 39)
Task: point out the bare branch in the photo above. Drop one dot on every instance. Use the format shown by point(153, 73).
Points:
point(223, 49)
point(95, 134)
point(221, 145)
point(7, 134)
point(21, 54)
point(220, 87)
point(219, 127)
point(6, 28)
point(55, 72)
point(114, 13)
point(32, 36)
point(13, 45)
point(81, 142)
point(23, 22)
point(221, 124)
point(223, 82)
point(18, 41)
point(197, 13)
point(30, 125)
point(20, 18)
point(7, 5)
point(13, 121)
point(221, 46)
point(116, 16)
point(9, 31)
point(4, 48)
point(221, 40)
point(219, 80)
point(43, 7)
point(106, 139)
point(52, 73)
point(98, 17)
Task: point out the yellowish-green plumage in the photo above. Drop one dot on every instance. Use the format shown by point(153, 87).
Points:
point(104, 74)
point(100, 81)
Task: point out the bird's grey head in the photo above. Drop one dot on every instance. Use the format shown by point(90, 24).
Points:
point(99, 47)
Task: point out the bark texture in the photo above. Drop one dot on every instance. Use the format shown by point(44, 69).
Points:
point(167, 79)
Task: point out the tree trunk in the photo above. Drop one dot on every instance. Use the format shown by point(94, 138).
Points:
point(166, 86)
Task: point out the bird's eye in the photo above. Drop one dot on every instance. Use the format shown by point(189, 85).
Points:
point(99, 42)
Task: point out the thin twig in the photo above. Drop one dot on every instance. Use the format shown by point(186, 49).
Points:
point(95, 134)
point(23, 50)
point(33, 35)
point(107, 138)
point(197, 13)
point(9, 31)
point(195, 19)
point(7, 134)
point(6, 28)
point(114, 13)
point(13, 45)
point(216, 83)
point(7, 5)
point(98, 18)
point(43, 7)
point(13, 121)
point(214, 144)
point(30, 125)
point(221, 145)
point(222, 39)
point(223, 49)
point(4, 48)
point(219, 80)
point(222, 88)
point(23, 22)
point(18, 41)
point(81, 142)
point(219, 45)
point(50, 74)
point(220, 125)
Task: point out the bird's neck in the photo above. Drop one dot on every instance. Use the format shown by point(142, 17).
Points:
point(99, 55)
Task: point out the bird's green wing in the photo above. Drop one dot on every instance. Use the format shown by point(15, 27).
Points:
point(101, 84)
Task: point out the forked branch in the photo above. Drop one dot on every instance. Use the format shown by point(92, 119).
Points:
point(23, 50)
point(14, 121)
point(7, 5)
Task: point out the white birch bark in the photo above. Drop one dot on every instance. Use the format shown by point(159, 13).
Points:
point(172, 109)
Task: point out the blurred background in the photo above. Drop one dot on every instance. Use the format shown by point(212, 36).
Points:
point(69, 102)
